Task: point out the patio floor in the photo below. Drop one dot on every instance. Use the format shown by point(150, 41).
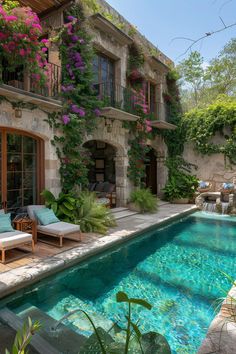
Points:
point(48, 259)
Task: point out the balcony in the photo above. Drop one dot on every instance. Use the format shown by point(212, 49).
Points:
point(118, 101)
point(18, 85)
point(161, 117)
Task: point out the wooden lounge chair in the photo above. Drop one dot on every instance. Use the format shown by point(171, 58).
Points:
point(59, 230)
point(14, 239)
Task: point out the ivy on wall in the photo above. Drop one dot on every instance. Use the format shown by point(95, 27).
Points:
point(80, 104)
point(202, 125)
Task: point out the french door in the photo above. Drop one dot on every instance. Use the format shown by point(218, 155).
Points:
point(20, 165)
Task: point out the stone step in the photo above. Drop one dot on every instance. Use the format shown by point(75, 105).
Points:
point(124, 214)
point(37, 342)
point(117, 210)
point(64, 339)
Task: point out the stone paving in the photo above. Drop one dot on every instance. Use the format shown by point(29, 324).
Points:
point(50, 261)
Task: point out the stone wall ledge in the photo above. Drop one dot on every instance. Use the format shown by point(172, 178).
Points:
point(221, 335)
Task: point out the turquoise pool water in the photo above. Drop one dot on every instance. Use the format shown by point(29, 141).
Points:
point(176, 268)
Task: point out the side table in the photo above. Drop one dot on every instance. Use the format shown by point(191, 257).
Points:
point(25, 224)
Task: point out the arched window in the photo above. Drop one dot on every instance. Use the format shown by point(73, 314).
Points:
point(21, 169)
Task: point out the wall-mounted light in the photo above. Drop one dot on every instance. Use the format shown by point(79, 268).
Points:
point(18, 113)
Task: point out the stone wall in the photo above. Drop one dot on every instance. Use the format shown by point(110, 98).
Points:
point(33, 122)
point(211, 168)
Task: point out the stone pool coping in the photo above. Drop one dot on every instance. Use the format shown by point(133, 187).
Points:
point(221, 335)
point(19, 278)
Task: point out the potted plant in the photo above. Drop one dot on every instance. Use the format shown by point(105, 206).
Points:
point(180, 188)
point(204, 186)
point(142, 200)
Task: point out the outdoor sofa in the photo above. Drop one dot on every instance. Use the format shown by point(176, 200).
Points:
point(14, 239)
point(58, 230)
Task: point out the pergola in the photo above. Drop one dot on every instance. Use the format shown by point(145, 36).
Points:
point(42, 7)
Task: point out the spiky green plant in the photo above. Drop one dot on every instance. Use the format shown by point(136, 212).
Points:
point(23, 337)
point(92, 216)
point(144, 200)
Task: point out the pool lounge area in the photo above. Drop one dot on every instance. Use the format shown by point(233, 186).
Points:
point(178, 275)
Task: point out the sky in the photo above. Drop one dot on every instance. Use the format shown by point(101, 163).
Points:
point(163, 20)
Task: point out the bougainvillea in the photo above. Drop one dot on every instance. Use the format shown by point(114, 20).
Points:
point(141, 131)
point(20, 45)
point(80, 104)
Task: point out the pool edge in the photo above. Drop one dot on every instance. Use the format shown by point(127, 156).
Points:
point(17, 279)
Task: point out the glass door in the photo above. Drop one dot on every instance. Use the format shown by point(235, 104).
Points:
point(19, 160)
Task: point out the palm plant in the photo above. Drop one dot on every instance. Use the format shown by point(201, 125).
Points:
point(92, 216)
point(144, 200)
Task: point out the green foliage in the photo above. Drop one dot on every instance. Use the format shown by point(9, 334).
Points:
point(92, 216)
point(203, 124)
point(180, 183)
point(63, 206)
point(135, 342)
point(191, 70)
point(136, 58)
point(81, 209)
point(144, 200)
point(23, 337)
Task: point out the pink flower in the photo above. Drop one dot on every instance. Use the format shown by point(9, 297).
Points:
point(37, 25)
point(22, 52)
point(45, 41)
point(44, 49)
point(10, 18)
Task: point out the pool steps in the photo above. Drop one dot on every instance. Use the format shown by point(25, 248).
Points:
point(45, 342)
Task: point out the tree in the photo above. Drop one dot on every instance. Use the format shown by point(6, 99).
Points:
point(221, 73)
point(192, 72)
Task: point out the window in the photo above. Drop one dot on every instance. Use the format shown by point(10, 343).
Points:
point(104, 76)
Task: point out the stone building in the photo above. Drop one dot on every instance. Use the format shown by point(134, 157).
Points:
point(28, 159)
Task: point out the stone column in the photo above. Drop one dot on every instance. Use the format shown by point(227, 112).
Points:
point(162, 175)
point(122, 193)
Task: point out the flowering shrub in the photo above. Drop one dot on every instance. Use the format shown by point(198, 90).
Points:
point(142, 130)
point(20, 30)
point(80, 104)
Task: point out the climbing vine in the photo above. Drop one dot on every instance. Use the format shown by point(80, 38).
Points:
point(203, 124)
point(80, 104)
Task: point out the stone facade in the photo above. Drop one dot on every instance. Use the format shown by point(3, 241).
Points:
point(212, 168)
point(33, 121)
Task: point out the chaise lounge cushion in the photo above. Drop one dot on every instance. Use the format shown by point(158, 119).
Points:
point(60, 228)
point(14, 238)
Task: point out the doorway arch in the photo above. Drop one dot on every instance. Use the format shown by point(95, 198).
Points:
point(21, 169)
point(111, 166)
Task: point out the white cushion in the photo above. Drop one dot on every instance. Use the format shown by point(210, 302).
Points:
point(14, 238)
point(60, 228)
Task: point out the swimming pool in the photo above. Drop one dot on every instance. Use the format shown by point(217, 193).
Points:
point(176, 268)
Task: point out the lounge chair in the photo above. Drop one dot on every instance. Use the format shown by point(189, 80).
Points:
point(14, 239)
point(58, 229)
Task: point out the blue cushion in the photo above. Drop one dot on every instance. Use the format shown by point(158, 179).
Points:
point(5, 223)
point(46, 216)
point(228, 185)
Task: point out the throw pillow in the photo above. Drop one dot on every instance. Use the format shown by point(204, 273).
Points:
point(46, 216)
point(5, 223)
